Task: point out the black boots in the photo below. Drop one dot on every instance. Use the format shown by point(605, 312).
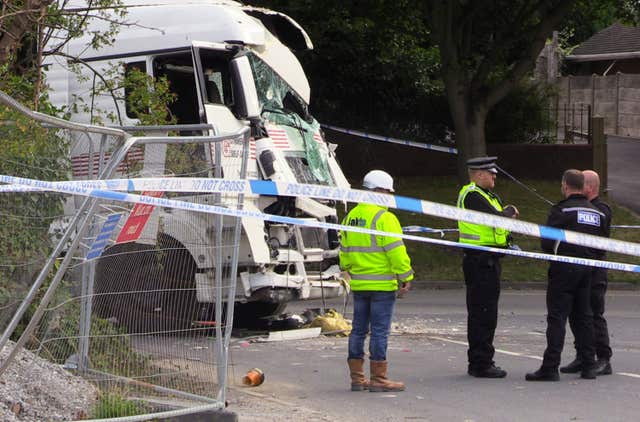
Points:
point(488, 372)
point(572, 368)
point(548, 374)
point(603, 367)
point(543, 374)
point(588, 373)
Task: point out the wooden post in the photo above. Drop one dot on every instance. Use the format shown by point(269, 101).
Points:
point(600, 150)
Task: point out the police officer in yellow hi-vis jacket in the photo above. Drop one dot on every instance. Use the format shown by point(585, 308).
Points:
point(378, 266)
point(482, 269)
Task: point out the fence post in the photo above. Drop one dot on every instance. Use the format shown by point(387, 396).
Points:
point(599, 150)
point(617, 105)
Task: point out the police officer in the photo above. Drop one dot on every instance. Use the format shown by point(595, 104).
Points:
point(482, 269)
point(377, 266)
point(598, 288)
point(568, 289)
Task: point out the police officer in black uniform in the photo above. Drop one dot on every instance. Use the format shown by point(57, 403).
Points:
point(598, 288)
point(569, 284)
point(481, 268)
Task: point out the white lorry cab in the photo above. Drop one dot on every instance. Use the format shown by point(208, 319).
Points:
point(230, 66)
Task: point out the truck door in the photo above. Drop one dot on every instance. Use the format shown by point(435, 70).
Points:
point(227, 97)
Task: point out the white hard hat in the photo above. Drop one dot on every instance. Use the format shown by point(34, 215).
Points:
point(378, 179)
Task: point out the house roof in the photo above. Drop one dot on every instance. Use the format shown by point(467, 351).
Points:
point(615, 42)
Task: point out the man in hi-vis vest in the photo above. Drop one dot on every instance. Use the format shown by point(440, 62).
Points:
point(482, 269)
point(378, 266)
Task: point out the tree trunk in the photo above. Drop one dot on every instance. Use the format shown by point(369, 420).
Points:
point(21, 23)
point(469, 120)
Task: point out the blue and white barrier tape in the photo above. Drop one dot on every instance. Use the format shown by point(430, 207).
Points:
point(392, 140)
point(422, 229)
point(212, 209)
point(264, 187)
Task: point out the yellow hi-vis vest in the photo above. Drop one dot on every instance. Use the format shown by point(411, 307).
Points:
point(477, 234)
point(375, 263)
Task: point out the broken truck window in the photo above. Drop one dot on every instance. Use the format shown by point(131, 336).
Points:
point(282, 106)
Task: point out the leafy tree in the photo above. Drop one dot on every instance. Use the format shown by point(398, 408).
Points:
point(28, 149)
point(373, 66)
point(485, 50)
point(588, 17)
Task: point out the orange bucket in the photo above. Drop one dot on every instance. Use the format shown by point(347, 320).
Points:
point(253, 378)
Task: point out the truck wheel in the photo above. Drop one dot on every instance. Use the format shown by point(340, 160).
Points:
point(113, 272)
point(147, 289)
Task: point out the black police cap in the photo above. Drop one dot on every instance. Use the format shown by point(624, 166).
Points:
point(483, 163)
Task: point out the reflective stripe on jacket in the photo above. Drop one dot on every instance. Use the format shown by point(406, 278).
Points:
point(374, 262)
point(477, 234)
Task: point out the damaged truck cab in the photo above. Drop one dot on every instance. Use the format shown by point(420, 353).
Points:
point(230, 66)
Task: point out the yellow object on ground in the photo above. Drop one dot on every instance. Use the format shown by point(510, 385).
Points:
point(332, 322)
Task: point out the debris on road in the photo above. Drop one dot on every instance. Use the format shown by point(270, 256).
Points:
point(254, 377)
point(332, 322)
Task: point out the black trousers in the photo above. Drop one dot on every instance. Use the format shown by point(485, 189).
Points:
point(600, 329)
point(482, 278)
point(569, 292)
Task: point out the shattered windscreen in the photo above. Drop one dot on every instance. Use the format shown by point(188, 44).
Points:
point(281, 105)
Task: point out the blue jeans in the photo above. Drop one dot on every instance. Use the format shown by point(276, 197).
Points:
point(371, 309)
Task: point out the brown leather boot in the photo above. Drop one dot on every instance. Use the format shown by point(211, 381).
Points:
point(379, 380)
point(358, 381)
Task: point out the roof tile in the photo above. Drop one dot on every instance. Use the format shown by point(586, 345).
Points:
point(617, 38)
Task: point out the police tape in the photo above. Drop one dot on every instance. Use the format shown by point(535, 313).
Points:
point(213, 209)
point(422, 229)
point(270, 188)
point(388, 139)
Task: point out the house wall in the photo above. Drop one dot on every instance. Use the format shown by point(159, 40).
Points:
point(614, 97)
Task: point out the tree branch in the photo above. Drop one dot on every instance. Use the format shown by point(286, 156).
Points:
point(540, 34)
point(99, 75)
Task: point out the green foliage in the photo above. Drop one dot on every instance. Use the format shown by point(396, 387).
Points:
point(114, 404)
point(149, 99)
point(591, 16)
point(110, 348)
point(525, 115)
point(373, 66)
point(28, 150)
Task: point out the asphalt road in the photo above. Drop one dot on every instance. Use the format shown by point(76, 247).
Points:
point(624, 171)
point(428, 353)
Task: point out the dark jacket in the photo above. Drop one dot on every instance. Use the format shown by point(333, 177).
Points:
point(606, 210)
point(577, 214)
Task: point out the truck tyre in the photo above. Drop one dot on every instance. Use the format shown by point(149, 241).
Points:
point(147, 289)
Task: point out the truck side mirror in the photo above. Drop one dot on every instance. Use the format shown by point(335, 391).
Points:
point(245, 93)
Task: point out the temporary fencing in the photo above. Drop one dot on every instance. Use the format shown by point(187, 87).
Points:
point(115, 299)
